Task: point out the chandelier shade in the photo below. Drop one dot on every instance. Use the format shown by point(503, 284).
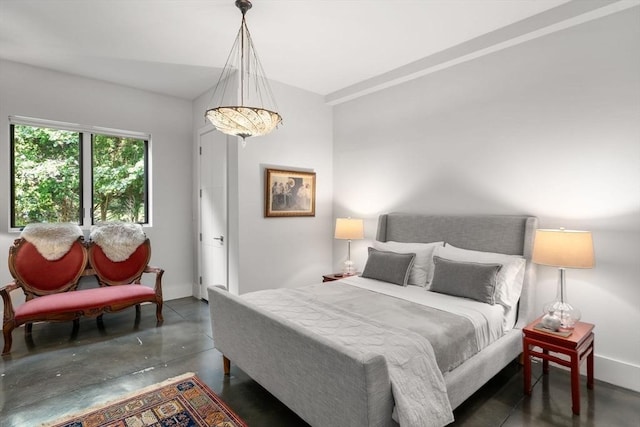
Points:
point(256, 114)
point(243, 121)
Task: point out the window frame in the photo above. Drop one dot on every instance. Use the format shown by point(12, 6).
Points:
point(85, 158)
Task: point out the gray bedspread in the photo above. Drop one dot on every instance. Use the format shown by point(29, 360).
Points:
point(401, 331)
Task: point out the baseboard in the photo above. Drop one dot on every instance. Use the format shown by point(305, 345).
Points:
point(616, 372)
point(176, 291)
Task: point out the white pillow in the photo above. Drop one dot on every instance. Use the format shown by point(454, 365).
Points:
point(510, 277)
point(422, 266)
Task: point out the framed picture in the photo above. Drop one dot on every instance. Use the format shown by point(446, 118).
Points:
point(289, 193)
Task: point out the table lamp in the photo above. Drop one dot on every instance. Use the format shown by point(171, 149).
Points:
point(563, 249)
point(349, 229)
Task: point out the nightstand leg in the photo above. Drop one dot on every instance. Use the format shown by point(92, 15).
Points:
point(526, 359)
point(575, 383)
point(545, 362)
point(590, 367)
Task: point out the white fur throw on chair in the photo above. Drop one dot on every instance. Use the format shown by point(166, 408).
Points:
point(52, 240)
point(118, 240)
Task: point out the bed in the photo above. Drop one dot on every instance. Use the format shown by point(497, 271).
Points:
point(341, 366)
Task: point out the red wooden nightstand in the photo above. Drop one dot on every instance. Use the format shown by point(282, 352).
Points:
point(577, 346)
point(335, 276)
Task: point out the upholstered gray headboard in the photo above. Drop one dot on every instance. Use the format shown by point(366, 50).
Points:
point(508, 234)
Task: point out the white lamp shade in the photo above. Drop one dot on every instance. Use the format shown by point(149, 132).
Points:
point(563, 248)
point(349, 228)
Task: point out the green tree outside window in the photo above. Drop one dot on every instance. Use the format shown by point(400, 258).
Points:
point(47, 177)
point(119, 187)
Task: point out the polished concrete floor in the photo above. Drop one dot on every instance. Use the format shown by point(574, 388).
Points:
point(56, 374)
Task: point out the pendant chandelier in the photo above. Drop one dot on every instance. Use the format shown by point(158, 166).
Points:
point(256, 114)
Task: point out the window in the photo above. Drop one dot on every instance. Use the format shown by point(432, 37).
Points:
point(46, 185)
point(119, 179)
point(52, 165)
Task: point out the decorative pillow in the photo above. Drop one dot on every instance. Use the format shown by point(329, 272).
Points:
point(510, 277)
point(389, 267)
point(422, 266)
point(472, 280)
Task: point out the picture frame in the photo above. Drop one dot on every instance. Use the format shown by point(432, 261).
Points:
point(289, 193)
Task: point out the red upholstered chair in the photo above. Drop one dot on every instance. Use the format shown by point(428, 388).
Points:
point(38, 277)
point(126, 275)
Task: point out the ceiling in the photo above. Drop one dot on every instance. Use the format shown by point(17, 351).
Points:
point(334, 48)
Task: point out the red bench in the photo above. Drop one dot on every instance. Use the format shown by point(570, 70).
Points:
point(51, 287)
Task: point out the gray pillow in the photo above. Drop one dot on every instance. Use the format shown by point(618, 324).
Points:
point(472, 280)
point(389, 267)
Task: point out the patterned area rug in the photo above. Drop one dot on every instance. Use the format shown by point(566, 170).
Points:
point(183, 401)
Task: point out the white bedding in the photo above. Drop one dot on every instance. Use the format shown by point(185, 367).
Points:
point(487, 319)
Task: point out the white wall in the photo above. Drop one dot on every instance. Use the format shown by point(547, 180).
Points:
point(284, 251)
point(35, 92)
point(549, 128)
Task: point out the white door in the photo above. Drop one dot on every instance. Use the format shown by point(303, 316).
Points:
point(213, 209)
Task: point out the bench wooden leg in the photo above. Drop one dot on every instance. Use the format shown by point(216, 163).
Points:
point(8, 340)
point(100, 322)
point(136, 322)
point(159, 317)
point(226, 363)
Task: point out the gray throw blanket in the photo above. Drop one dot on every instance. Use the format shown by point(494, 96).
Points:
point(452, 337)
point(417, 385)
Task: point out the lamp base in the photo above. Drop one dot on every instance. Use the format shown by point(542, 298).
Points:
point(559, 314)
point(348, 268)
